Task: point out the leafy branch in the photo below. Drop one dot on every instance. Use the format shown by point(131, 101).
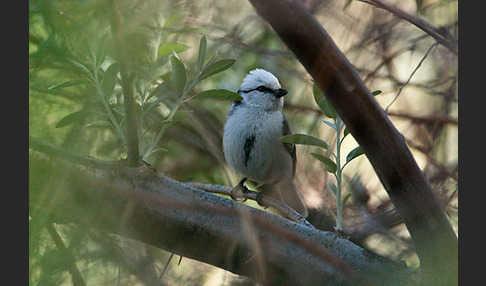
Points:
point(182, 87)
point(332, 162)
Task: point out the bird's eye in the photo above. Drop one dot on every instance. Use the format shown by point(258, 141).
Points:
point(262, 88)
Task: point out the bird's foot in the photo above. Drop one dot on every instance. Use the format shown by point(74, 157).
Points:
point(259, 199)
point(340, 233)
point(238, 192)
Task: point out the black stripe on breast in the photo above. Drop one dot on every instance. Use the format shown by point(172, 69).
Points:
point(234, 106)
point(249, 142)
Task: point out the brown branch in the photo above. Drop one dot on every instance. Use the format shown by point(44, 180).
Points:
point(198, 225)
point(285, 210)
point(127, 82)
point(440, 119)
point(425, 26)
point(433, 236)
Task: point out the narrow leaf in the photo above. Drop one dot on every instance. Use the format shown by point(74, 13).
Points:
point(160, 149)
point(346, 132)
point(304, 140)
point(167, 48)
point(376, 92)
point(219, 94)
point(66, 84)
point(202, 52)
point(178, 74)
point(99, 124)
point(330, 165)
point(323, 103)
point(80, 66)
point(354, 153)
point(71, 118)
point(216, 67)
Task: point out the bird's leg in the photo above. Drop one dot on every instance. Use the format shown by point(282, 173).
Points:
point(239, 190)
point(340, 233)
point(260, 195)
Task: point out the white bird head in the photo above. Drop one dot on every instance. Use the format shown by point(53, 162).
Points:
point(260, 88)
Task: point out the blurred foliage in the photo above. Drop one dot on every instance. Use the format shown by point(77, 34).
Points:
point(80, 50)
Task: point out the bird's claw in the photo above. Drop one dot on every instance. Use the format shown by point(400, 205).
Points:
point(259, 199)
point(340, 233)
point(238, 192)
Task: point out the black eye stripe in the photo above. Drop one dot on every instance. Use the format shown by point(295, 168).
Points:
point(264, 89)
point(261, 88)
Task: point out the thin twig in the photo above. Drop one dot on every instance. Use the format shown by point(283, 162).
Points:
point(434, 32)
point(441, 119)
point(127, 80)
point(166, 266)
point(51, 149)
point(411, 75)
point(266, 200)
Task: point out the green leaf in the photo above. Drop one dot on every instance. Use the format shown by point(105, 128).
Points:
point(178, 74)
point(376, 92)
point(330, 165)
point(99, 124)
point(333, 188)
point(323, 103)
point(354, 153)
point(109, 79)
point(71, 118)
point(100, 53)
point(202, 52)
point(346, 132)
point(80, 66)
point(66, 84)
point(304, 140)
point(167, 48)
point(160, 149)
point(216, 67)
point(219, 94)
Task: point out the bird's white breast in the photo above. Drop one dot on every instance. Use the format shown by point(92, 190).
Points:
point(266, 127)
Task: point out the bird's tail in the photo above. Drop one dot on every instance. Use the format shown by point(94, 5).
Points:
point(287, 192)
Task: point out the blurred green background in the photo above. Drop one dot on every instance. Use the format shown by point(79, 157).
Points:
point(76, 110)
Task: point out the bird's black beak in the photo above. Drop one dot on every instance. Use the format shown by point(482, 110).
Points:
point(280, 92)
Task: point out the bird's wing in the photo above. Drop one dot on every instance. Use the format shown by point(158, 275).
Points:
point(289, 146)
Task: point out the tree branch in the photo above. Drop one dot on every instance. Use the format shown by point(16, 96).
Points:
point(433, 236)
point(154, 209)
point(425, 26)
point(127, 82)
point(427, 119)
point(284, 209)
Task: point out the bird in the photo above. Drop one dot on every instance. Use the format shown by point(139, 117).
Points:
point(251, 140)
